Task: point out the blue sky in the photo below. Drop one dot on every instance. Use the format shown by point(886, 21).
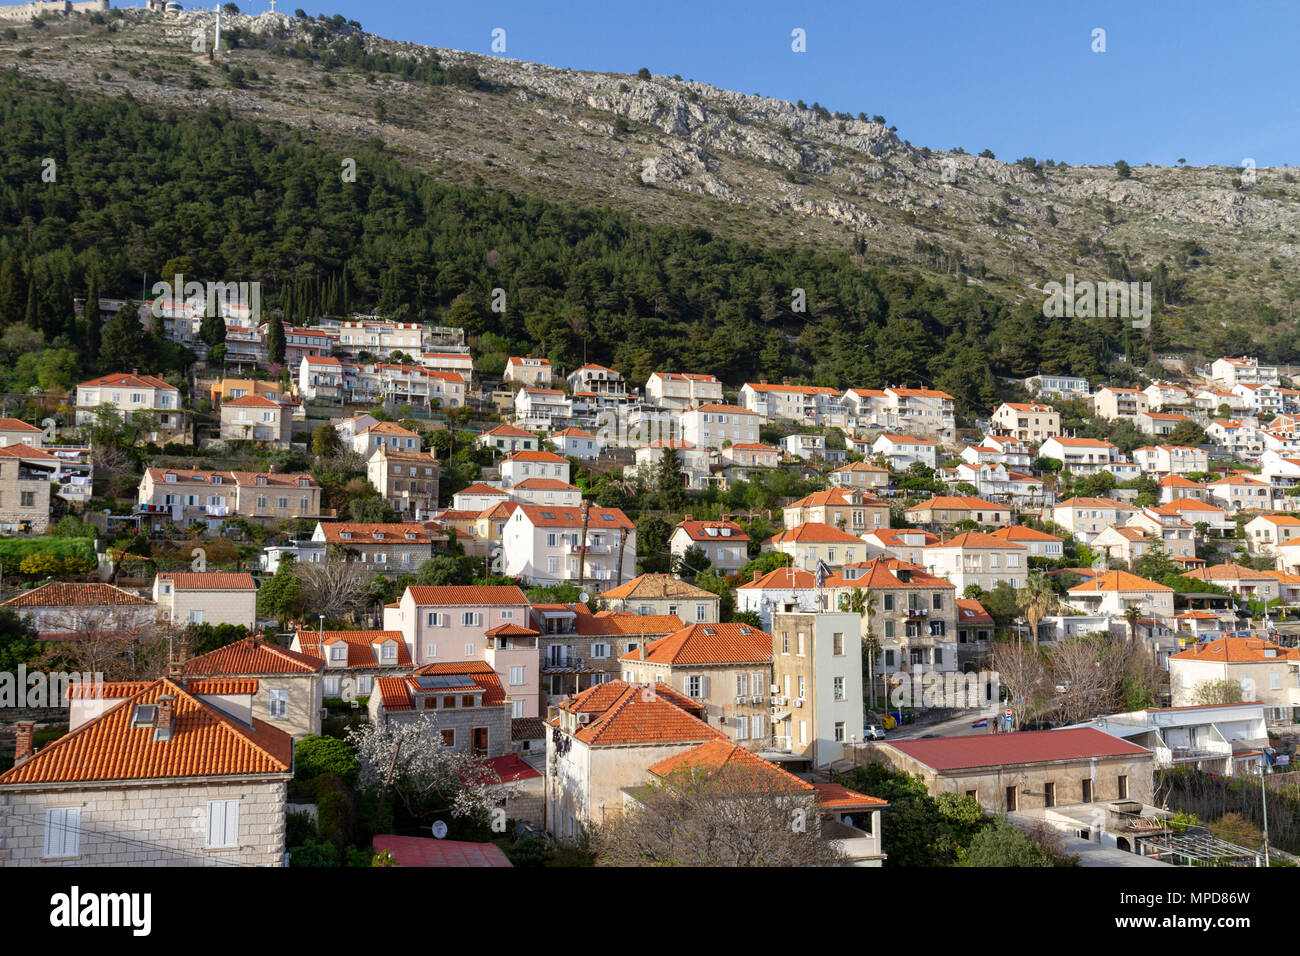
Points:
point(1212, 82)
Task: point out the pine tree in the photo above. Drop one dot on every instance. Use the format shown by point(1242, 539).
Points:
point(212, 330)
point(125, 344)
point(13, 290)
point(90, 334)
point(275, 341)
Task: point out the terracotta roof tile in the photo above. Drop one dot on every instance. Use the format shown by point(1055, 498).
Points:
point(68, 594)
point(210, 580)
point(253, 657)
point(1027, 746)
point(708, 644)
point(486, 595)
point(205, 743)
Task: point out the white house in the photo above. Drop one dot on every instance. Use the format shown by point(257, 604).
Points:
point(543, 545)
point(902, 451)
point(710, 426)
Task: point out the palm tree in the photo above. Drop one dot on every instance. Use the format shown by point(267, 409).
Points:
point(863, 604)
point(1037, 599)
point(1131, 614)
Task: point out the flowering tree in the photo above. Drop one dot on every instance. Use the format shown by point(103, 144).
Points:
point(409, 760)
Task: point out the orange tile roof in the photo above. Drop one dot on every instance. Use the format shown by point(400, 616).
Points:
point(709, 644)
point(884, 574)
point(954, 503)
point(970, 611)
point(1227, 571)
point(905, 439)
point(128, 381)
point(509, 431)
point(625, 623)
point(250, 401)
point(360, 644)
point(1118, 581)
point(978, 539)
point(1080, 442)
point(698, 530)
point(1095, 503)
point(788, 577)
point(395, 532)
point(547, 456)
point(657, 587)
point(713, 756)
point(572, 432)
point(837, 797)
point(1232, 650)
point(212, 686)
point(544, 484)
point(1179, 505)
point(1018, 532)
point(638, 715)
point(568, 516)
point(717, 407)
point(893, 537)
point(15, 425)
point(479, 672)
point(205, 743)
point(813, 532)
point(796, 389)
point(68, 594)
point(253, 657)
point(486, 595)
point(210, 580)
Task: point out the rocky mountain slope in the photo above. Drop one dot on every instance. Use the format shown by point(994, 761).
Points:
point(672, 150)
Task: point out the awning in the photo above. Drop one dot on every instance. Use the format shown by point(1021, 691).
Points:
point(780, 715)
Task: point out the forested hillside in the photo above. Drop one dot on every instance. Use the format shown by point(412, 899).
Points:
point(142, 194)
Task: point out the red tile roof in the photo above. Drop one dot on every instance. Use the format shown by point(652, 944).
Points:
point(1118, 581)
point(360, 644)
point(813, 532)
point(708, 644)
point(567, 516)
point(1237, 650)
point(714, 756)
point(205, 743)
point(395, 532)
point(426, 851)
point(67, 594)
point(970, 611)
point(211, 686)
point(954, 503)
point(1027, 746)
point(657, 587)
point(547, 456)
point(127, 381)
point(15, 425)
point(210, 580)
point(253, 657)
point(837, 797)
point(644, 715)
point(699, 530)
point(479, 672)
point(470, 595)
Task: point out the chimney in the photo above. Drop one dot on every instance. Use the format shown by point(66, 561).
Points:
point(163, 724)
point(755, 577)
point(23, 740)
point(185, 647)
point(687, 518)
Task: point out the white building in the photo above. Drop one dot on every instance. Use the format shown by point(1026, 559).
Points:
point(544, 545)
point(709, 426)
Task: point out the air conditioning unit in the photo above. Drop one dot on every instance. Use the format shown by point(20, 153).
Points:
point(799, 703)
point(776, 688)
point(584, 718)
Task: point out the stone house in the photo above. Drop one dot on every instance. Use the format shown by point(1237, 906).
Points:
point(289, 684)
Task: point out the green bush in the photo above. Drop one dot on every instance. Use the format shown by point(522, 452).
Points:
point(316, 756)
point(299, 828)
point(314, 853)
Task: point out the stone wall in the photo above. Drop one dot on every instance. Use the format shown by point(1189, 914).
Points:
point(147, 825)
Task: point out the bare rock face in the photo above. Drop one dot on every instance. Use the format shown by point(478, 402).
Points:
point(666, 148)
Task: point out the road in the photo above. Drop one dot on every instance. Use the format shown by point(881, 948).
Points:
point(955, 727)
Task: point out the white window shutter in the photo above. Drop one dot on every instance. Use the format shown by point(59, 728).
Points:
point(704, 687)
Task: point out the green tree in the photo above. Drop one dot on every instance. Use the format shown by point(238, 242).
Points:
point(18, 641)
point(275, 340)
point(325, 440)
point(1004, 844)
point(441, 570)
point(125, 344)
point(1037, 599)
point(212, 329)
point(281, 594)
point(670, 481)
point(1122, 169)
point(315, 756)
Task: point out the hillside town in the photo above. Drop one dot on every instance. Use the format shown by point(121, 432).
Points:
point(333, 539)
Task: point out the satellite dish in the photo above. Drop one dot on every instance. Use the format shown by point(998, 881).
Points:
point(584, 597)
point(439, 830)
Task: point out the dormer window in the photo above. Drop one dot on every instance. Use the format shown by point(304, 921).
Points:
point(345, 535)
point(261, 479)
point(216, 479)
point(379, 535)
point(170, 476)
point(410, 536)
point(304, 482)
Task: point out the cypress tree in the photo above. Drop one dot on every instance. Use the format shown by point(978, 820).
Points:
point(275, 341)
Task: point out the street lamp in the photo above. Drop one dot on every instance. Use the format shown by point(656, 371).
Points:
point(1263, 799)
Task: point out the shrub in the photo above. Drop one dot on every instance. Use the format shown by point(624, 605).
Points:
point(317, 756)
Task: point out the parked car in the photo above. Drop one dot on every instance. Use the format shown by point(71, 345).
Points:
point(873, 732)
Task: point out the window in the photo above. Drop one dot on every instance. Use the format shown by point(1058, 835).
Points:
point(889, 602)
point(471, 619)
point(801, 640)
point(223, 823)
point(695, 686)
point(701, 612)
point(278, 703)
point(1122, 788)
point(28, 499)
point(516, 675)
point(600, 650)
point(516, 708)
point(803, 731)
point(331, 687)
point(803, 686)
point(469, 649)
point(839, 731)
point(390, 652)
point(837, 644)
point(339, 652)
point(785, 642)
point(838, 684)
point(63, 832)
point(449, 738)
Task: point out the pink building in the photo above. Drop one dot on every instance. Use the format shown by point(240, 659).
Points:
point(451, 624)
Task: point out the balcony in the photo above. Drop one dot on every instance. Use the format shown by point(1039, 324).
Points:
point(572, 548)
